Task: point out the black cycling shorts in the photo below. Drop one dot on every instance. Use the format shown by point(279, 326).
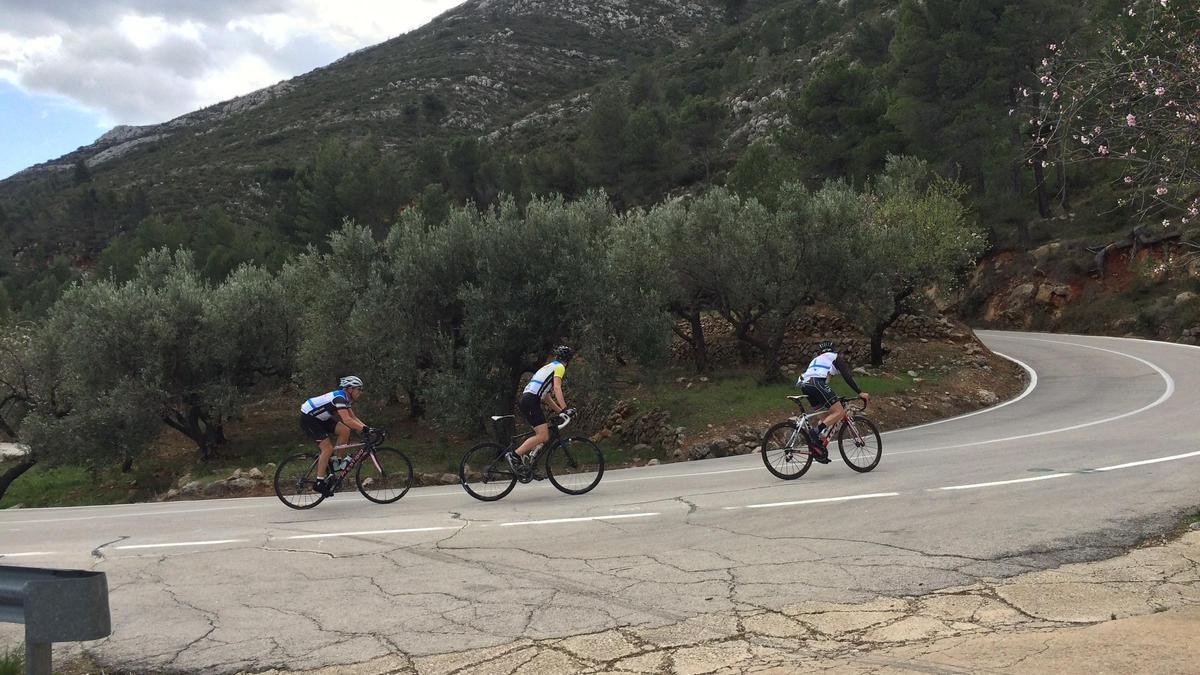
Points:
point(818, 392)
point(531, 409)
point(316, 429)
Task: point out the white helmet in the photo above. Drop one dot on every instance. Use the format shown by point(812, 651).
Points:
point(350, 381)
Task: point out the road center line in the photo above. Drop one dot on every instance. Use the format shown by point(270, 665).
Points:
point(579, 520)
point(972, 486)
point(1149, 461)
point(184, 543)
point(813, 501)
point(25, 555)
point(370, 532)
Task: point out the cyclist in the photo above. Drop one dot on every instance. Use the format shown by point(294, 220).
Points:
point(545, 386)
point(328, 414)
point(814, 382)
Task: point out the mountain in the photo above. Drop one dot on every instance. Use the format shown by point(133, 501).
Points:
point(476, 68)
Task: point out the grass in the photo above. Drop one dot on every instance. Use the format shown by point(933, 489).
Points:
point(12, 661)
point(268, 432)
point(738, 395)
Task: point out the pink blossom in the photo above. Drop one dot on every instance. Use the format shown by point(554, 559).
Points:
point(1160, 191)
point(1128, 180)
point(1103, 149)
point(1130, 120)
point(1159, 91)
point(1053, 46)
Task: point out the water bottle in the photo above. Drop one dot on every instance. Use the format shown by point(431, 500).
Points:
point(339, 463)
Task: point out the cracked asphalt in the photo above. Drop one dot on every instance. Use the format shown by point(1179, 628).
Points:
point(686, 568)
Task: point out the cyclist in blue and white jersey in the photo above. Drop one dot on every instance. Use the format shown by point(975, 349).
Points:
point(544, 386)
point(814, 382)
point(332, 414)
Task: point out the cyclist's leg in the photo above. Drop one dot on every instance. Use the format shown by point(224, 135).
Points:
point(541, 434)
point(325, 446)
point(531, 409)
point(342, 432)
point(836, 412)
point(318, 432)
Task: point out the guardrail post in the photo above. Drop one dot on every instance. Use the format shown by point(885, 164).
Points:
point(37, 658)
point(55, 606)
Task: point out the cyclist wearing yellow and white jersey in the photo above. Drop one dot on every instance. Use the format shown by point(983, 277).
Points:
point(544, 386)
point(814, 382)
point(332, 414)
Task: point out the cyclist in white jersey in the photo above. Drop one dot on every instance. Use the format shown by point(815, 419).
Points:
point(331, 414)
point(815, 384)
point(545, 386)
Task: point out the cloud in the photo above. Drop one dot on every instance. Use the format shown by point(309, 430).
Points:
point(144, 61)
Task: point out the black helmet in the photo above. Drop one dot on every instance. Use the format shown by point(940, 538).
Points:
point(563, 353)
point(827, 346)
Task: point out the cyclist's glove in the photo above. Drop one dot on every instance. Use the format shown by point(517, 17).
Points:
point(366, 431)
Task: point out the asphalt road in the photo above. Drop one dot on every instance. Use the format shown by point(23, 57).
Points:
point(1101, 450)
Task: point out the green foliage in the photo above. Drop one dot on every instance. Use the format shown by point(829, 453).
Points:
point(761, 171)
point(12, 660)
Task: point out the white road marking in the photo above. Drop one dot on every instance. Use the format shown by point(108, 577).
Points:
point(1149, 461)
point(141, 514)
point(1167, 393)
point(25, 555)
point(814, 501)
point(370, 532)
point(1003, 482)
point(579, 520)
point(1033, 381)
point(214, 542)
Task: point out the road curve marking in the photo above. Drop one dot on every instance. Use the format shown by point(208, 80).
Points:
point(25, 555)
point(213, 542)
point(370, 532)
point(1167, 393)
point(1033, 381)
point(579, 520)
point(813, 501)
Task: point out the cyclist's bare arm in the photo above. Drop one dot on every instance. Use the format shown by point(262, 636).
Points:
point(560, 404)
point(346, 416)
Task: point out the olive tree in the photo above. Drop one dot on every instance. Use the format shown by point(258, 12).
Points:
point(907, 231)
point(167, 346)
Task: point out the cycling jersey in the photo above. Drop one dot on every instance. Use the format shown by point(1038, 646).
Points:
point(821, 367)
point(540, 383)
point(325, 406)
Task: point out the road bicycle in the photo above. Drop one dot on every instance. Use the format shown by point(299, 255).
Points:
point(382, 475)
point(787, 453)
point(573, 464)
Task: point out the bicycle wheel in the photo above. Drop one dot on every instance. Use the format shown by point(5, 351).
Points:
point(384, 475)
point(785, 452)
point(294, 480)
point(575, 465)
point(485, 474)
point(861, 446)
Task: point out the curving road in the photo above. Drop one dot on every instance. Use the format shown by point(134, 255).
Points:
point(1101, 450)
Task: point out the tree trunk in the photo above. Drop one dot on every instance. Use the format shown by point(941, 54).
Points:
point(771, 372)
point(416, 407)
point(13, 473)
point(1039, 179)
point(694, 338)
point(877, 347)
point(1060, 175)
point(127, 464)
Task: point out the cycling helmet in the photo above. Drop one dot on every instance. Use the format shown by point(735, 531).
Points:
point(350, 381)
point(826, 346)
point(563, 353)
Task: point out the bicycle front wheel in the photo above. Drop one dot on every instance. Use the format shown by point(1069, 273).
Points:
point(295, 481)
point(785, 452)
point(575, 465)
point(384, 475)
point(859, 443)
point(485, 473)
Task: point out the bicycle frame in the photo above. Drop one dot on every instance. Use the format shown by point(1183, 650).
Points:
point(802, 421)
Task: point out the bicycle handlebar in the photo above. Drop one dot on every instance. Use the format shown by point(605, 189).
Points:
point(561, 420)
point(376, 436)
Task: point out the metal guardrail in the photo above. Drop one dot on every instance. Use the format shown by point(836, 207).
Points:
point(55, 606)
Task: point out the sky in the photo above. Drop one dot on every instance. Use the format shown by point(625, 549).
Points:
point(72, 69)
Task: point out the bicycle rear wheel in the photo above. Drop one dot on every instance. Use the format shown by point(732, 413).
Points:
point(295, 479)
point(575, 465)
point(785, 452)
point(485, 473)
point(384, 475)
point(861, 446)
